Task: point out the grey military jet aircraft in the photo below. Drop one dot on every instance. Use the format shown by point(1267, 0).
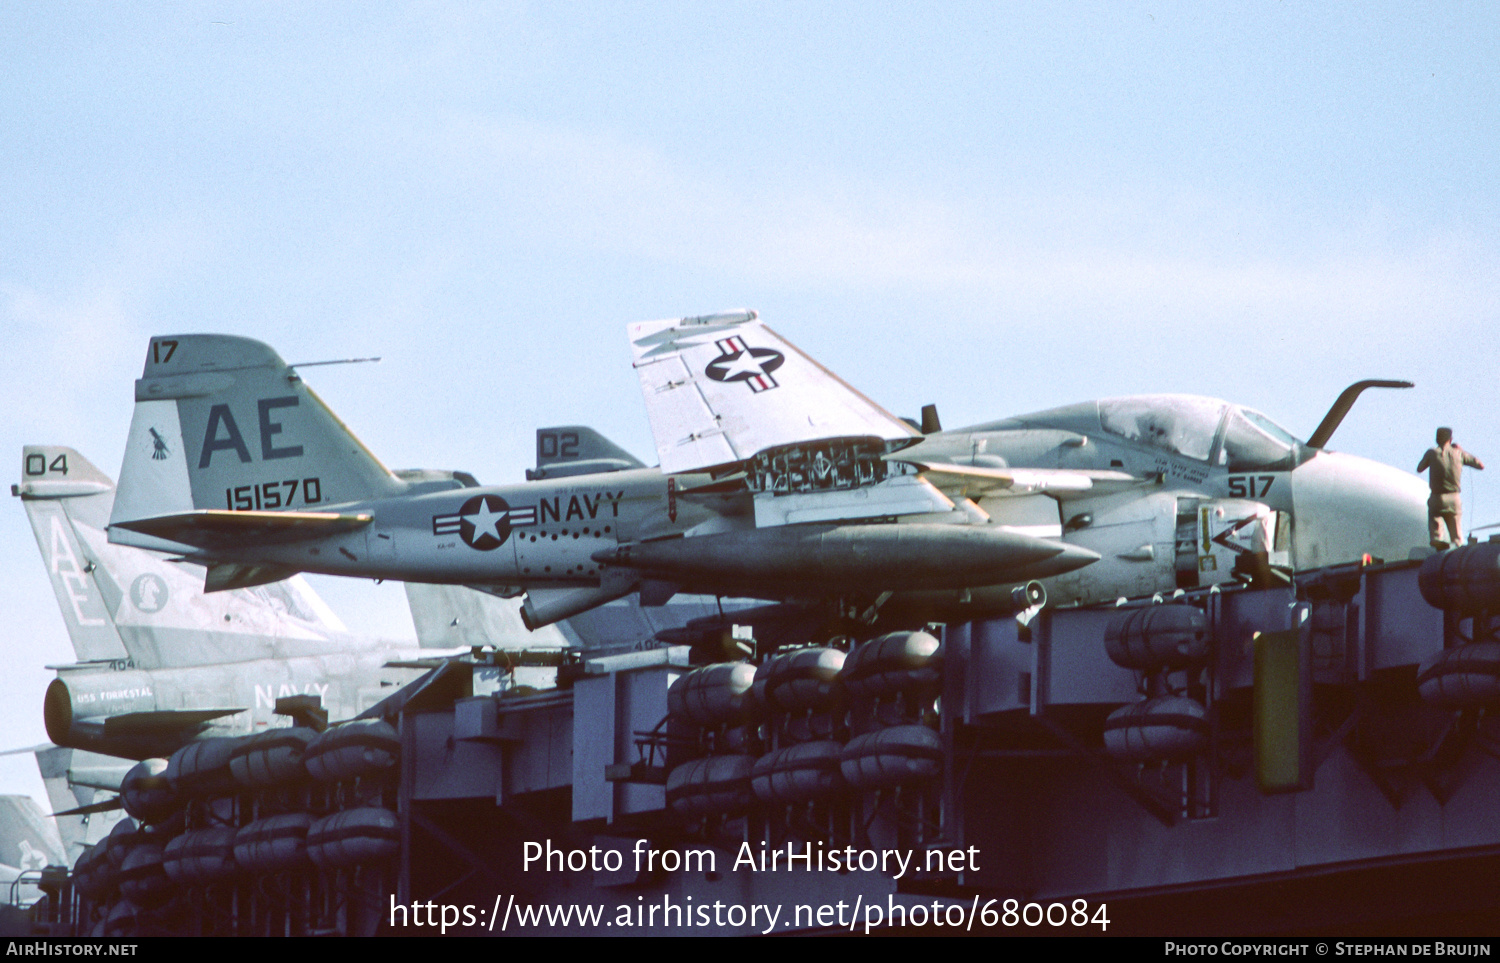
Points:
point(160, 663)
point(233, 462)
point(778, 481)
point(1162, 491)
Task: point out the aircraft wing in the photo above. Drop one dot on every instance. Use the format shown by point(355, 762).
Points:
point(722, 387)
point(109, 805)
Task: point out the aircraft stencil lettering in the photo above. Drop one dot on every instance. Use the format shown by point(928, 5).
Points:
point(562, 445)
point(115, 695)
point(266, 695)
point(36, 464)
point(221, 419)
point(271, 495)
point(64, 565)
point(579, 507)
point(1250, 486)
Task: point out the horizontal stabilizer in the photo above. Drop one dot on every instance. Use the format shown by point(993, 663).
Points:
point(109, 805)
point(215, 528)
point(70, 488)
point(107, 777)
point(163, 721)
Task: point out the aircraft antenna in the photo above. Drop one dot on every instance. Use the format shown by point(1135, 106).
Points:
point(314, 364)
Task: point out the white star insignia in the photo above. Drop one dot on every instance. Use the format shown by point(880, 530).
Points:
point(31, 857)
point(485, 522)
point(743, 363)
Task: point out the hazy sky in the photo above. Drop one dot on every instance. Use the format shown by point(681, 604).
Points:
point(995, 207)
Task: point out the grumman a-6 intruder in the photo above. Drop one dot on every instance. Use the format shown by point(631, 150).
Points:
point(1166, 491)
point(778, 481)
point(233, 462)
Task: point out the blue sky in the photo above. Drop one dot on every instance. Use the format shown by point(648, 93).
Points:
point(994, 207)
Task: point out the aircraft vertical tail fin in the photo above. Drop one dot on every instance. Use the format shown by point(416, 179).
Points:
point(28, 839)
point(221, 422)
point(448, 616)
point(71, 779)
point(121, 603)
point(577, 450)
point(57, 481)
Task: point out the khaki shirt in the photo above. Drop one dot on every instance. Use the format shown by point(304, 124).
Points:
point(1444, 464)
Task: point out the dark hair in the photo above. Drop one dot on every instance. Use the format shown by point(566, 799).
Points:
point(1444, 435)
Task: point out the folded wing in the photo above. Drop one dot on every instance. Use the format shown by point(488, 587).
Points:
point(722, 387)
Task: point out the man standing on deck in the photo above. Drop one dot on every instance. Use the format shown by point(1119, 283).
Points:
point(1444, 463)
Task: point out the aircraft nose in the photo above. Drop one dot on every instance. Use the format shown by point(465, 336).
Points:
point(1344, 506)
